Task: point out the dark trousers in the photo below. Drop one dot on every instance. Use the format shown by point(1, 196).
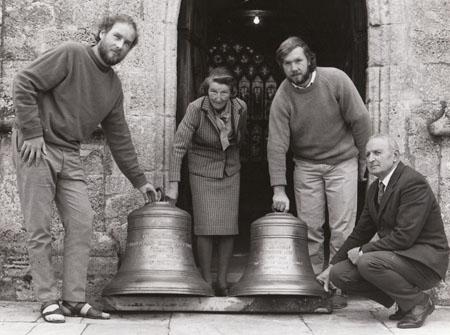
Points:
point(385, 277)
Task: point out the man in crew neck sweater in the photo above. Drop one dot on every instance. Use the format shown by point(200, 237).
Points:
point(60, 99)
point(411, 252)
point(318, 113)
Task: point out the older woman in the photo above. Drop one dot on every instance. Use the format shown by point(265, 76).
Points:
point(211, 132)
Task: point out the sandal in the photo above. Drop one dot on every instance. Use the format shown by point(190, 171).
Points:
point(84, 310)
point(51, 312)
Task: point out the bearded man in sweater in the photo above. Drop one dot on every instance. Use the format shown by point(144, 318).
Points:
point(318, 113)
point(60, 99)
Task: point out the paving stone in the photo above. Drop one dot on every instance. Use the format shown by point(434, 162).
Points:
point(153, 319)
point(15, 328)
point(58, 329)
point(112, 328)
point(212, 324)
point(344, 322)
point(19, 311)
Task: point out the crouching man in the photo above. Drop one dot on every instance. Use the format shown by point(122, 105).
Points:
point(411, 253)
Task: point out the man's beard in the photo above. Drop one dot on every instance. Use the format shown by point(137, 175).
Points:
point(103, 52)
point(303, 80)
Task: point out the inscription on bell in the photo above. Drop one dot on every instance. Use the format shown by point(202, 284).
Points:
point(275, 256)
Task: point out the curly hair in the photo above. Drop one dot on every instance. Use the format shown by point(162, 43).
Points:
point(220, 75)
point(109, 21)
point(290, 44)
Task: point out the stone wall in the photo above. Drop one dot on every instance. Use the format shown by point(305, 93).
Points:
point(408, 71)
point(409, 67)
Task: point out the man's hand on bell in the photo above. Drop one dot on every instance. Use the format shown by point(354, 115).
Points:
point(280, 201)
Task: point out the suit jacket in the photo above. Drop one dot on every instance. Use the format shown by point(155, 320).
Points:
point(408, 222)
point(199, 136)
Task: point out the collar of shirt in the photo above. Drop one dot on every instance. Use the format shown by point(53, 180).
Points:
point(313, 77)
point(386, 179)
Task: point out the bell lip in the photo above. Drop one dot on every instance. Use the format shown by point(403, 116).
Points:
point(157, 292)
point(273, 291)
point(259, 293)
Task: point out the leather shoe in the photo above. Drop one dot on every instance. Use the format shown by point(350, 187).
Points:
point(415, 318)
point(398, 315)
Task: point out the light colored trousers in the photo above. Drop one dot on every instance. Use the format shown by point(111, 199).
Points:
point(321, 186)
point(59, 177)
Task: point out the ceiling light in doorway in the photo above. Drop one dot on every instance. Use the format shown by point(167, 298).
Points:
point(256, 19)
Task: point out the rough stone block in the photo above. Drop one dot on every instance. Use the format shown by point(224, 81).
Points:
point(10, 69)
point(136, 88)
point(433, 79)
point(132, 8)
point(432, 14)
point(11, 217)
point(96, 195)
point(23, 20)
point(122, 205)
point(117, 184)
point(70, 13)
point(148, 139)
point(7, 289)
point(104, 245)
point(24, 291)
point(52, 37)
point(92, 160)
point(388, 45)
point(387, 12)
point(431, 46)
point(17, 266)
point(423, 153)
point(116, 228)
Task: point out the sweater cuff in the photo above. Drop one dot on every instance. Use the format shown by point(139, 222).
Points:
point(139, 181)
point(278, 180)
point(29, 133)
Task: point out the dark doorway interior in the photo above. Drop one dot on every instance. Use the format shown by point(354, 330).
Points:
point(227, 33)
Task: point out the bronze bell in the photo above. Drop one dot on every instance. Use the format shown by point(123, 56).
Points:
point(158, 257)
point(279, 262)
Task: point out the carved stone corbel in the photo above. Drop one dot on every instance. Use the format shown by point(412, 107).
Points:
point(441, 127)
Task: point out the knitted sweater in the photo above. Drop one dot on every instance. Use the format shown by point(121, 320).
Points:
point(65, 94)
point(326, 122)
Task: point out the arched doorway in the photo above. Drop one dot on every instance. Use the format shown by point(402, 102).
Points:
point(243, 35)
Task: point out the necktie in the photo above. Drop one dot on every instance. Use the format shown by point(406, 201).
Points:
point(380, 192)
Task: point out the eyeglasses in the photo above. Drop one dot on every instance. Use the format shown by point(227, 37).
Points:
point(216, 94)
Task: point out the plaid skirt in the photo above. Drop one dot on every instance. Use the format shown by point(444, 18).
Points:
point(215, 204)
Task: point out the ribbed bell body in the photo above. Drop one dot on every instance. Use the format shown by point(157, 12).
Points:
point(279, 262)
point(158, 257)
